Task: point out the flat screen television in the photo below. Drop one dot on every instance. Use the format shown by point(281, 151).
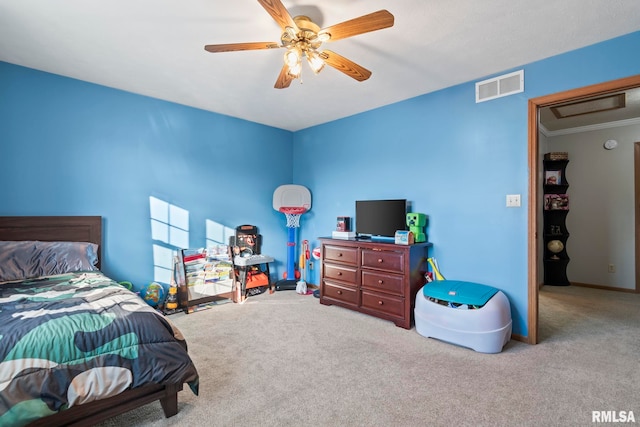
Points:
point(380, 218)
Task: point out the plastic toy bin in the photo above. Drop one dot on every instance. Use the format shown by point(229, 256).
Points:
point(464, 313)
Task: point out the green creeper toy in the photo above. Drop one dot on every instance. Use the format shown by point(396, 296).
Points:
point(416, 223)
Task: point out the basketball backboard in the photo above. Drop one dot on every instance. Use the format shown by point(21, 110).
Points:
point(291, 195)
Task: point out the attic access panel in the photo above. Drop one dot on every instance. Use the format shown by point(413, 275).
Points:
point(578, 108)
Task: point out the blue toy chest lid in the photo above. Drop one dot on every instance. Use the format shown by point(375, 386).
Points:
point(459, 292)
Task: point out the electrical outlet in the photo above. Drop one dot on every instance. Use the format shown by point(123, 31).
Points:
point(513, 200)
point(612, 268)
point(310, 265)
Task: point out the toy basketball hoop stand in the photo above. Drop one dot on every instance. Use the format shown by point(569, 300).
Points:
point(293, 221)
point(292, 201)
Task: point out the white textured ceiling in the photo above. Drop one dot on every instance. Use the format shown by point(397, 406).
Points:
point(156, 48)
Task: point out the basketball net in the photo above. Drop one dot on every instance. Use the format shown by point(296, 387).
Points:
point(293, 215)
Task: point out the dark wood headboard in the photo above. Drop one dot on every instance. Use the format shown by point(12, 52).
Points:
point(53, 229)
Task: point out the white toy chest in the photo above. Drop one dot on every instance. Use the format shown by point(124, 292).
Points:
point(464, 313)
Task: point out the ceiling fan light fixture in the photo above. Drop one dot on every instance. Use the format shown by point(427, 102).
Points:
point(324, 37)
point(294, 70)
point(289, 35)
point(315, 62)
point(293, 56)
point(293, 60)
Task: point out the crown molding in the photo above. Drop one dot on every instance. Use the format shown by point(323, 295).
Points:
point(618, 123)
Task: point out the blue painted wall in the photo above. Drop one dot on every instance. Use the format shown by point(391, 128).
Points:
point(70, 147)
point(455, 161)
point(73, 148)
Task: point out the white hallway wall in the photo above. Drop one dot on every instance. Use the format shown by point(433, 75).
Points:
point(601, 220)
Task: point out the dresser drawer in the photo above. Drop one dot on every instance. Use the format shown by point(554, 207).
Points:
point(383, 260)
point(376, 281)
point(342, 273)
point(383, 303)
point(340, 293)
point(341, 254)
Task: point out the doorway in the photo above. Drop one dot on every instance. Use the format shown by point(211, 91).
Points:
point(535, 104)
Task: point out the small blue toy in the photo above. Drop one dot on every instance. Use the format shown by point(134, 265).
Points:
point(416, 223)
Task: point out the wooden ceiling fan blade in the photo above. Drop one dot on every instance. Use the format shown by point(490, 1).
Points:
point(232, 47)
point(364, 24)
point(279, 13)
point(345, 65)
point(284, 79)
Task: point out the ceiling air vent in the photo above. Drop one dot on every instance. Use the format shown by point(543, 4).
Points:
point(500, 86)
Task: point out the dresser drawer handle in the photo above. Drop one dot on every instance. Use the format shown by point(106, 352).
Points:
point(340, 254)
point(339, 292)
point(380, 282)
point(339, 273)
point(380, 303)
point(380, 260)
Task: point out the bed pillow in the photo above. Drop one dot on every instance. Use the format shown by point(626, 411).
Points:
point(29, 259)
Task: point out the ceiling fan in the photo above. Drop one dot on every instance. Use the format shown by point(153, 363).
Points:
point(303, 38)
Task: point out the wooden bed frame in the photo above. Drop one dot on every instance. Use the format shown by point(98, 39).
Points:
point(85, 229)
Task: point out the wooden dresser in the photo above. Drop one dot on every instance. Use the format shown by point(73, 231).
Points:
point(376, 278)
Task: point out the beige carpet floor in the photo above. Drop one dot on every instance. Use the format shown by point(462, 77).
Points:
point(285, 360)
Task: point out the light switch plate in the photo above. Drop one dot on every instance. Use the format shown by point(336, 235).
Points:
point(513, 200)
